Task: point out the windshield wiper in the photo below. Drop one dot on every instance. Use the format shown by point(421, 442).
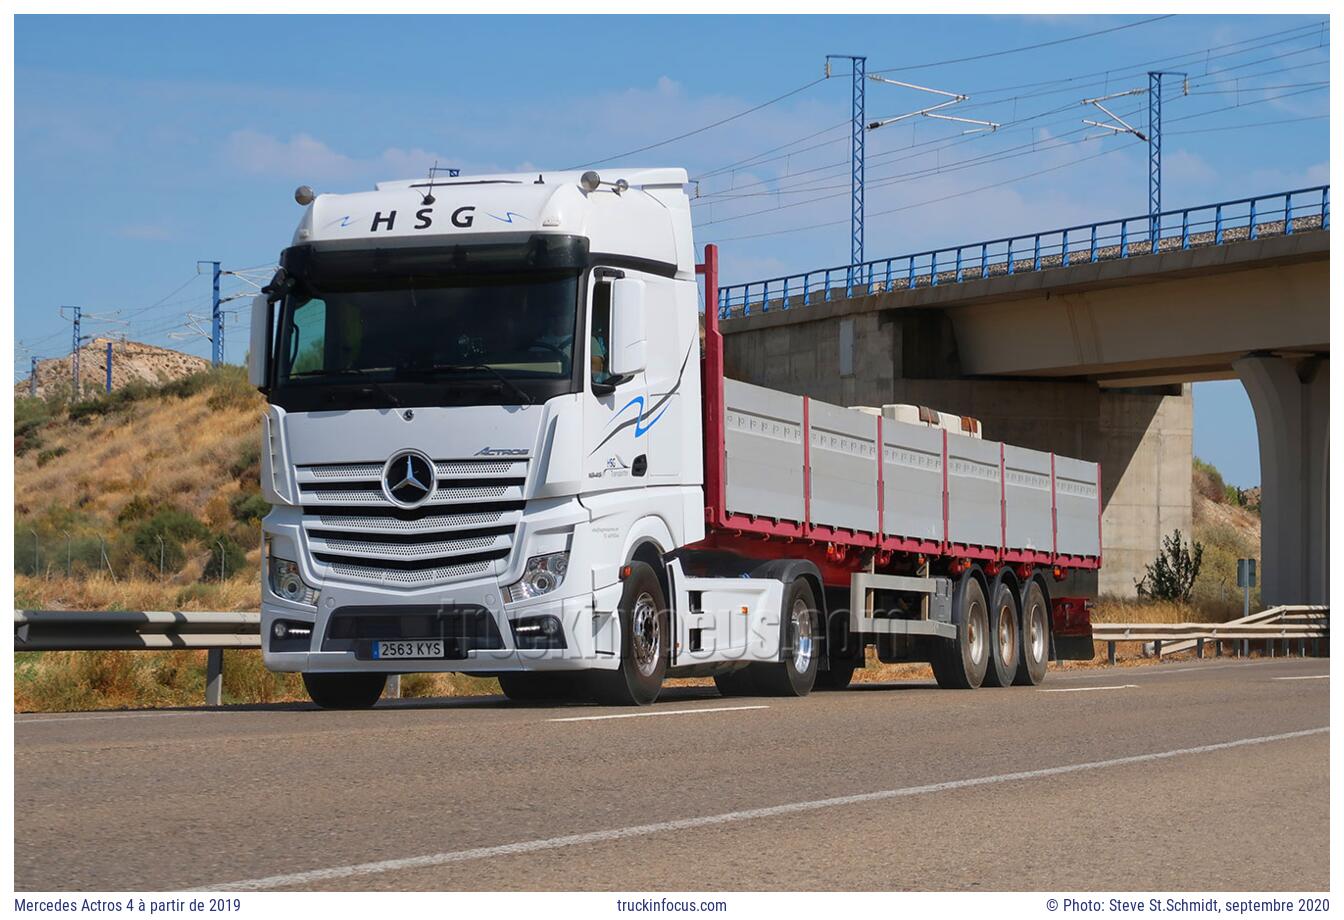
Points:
point(371, 387)
point(431, 369)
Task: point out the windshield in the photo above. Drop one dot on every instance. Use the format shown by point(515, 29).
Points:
point(481, 334)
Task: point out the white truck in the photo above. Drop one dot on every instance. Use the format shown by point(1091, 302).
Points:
point(497, 444)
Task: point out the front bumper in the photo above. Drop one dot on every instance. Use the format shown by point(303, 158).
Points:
point(333, 647)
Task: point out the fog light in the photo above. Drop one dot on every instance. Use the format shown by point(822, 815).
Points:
point(539, 632)
point(280, 629)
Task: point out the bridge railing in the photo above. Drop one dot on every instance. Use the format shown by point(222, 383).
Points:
point(1280, 214)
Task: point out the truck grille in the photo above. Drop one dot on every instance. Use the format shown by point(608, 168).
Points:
point(466, 528)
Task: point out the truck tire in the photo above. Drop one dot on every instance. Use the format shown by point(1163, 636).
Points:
point(837, 677)
point(344, 691)
point(1005, 638)
point(530, 687)
point(741, 682)
point(645, 640)
point(796, 674)
point(1035, 636)
point(960, 664)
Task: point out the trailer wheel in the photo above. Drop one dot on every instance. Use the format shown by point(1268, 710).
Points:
point(530, 687)
point(645, 640)
point(344, 691)
point(1005, 644)
point(960, 664)
point(1035, 636)
point(796, 674)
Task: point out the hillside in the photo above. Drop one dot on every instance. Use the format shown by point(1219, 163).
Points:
point(132, 363)
point(175, 462)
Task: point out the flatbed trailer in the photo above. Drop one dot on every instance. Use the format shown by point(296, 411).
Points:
point(877, 504)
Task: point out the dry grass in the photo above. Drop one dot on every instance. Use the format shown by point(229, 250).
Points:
point(101, 592)
point(167, 450)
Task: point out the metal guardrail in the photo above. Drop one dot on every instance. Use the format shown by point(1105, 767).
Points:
point(162, 630)
point(131, 630)
point(1278, 624)
point(1279, 214)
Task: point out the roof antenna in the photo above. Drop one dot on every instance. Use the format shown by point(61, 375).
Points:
point(539, 181)
point(428, 196)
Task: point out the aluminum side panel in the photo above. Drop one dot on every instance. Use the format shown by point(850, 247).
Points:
point(844, 467)
point(1076, 500)
point(1027, 492)
point(974, 506)
point(912, 479)
point(763, 443)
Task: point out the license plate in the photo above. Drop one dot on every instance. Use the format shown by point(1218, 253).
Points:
point(409, 648)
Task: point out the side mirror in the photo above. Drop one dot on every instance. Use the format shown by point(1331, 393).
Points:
point(629, 346)
point(259, 345)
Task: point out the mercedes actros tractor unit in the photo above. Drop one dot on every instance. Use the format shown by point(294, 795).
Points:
point(498, 444)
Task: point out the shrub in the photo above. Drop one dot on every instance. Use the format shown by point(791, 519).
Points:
point(233, 555)
point(1171, 577)
point(249, 508)
point(1208, 482)
point(230, 389)
point(47, 456)
point(175, 528)
point(246, 467)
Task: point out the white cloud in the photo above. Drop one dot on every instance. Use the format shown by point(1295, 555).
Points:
point(304, 157)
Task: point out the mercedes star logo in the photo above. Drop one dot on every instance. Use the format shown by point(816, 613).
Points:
point(408, 479)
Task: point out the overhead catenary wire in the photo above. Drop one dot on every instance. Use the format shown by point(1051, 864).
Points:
point(1063, 85)
point(702, 128)
point(1020, 49)
point(1012, 180)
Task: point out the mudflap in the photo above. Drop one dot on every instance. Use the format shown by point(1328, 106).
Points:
point(1074, 648)
point(1071, 629)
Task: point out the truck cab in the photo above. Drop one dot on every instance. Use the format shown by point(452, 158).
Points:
point(484, 401)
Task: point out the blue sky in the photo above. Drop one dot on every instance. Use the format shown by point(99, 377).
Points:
point(145, 143)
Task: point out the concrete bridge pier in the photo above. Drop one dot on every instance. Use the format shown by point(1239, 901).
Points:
point(1291, 401)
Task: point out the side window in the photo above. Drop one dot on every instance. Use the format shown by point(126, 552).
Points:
point(600, 340)
point(307, 338)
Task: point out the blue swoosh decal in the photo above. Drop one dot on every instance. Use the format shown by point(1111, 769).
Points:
point(508, 216)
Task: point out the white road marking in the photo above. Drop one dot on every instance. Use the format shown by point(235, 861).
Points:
point(681, 824)
point(108, 717)
point(1084, 689)
point(1305, 677)
point(656, 712)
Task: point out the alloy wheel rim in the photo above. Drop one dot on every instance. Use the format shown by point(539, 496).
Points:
point(802, 632)
point(1007, 634)
point(646, 635)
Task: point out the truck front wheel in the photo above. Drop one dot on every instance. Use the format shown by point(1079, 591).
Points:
point(644, 643)
point(344, 691)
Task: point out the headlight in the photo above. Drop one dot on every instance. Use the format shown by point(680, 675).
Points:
point(286, 582)
point(542, 576)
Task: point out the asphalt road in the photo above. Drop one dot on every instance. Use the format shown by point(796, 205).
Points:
point(1192, 776)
